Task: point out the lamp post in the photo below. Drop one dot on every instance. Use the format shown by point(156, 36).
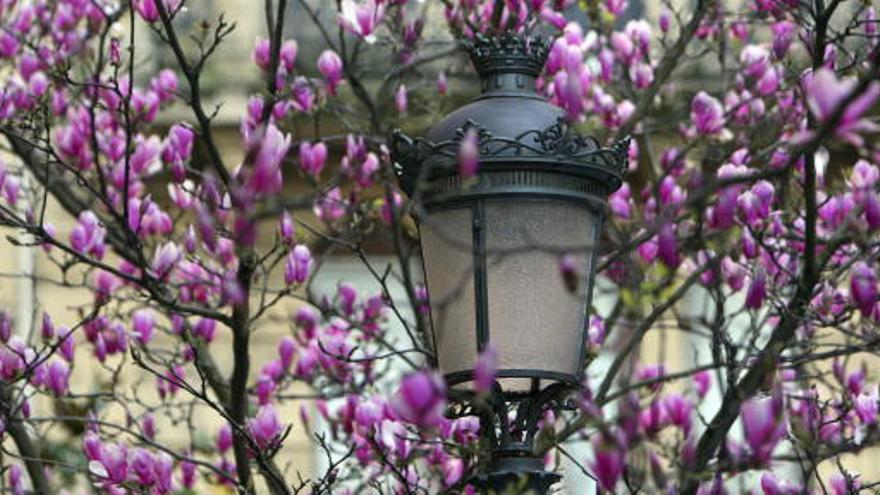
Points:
point(491, 247)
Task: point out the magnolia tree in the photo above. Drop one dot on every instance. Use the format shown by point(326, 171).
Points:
point(761, 179)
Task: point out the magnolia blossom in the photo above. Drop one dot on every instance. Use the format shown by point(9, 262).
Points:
point(770, 485)
point(783, 35)
point(286, 227)
point(825, 93)
point(330, 66)
point(362, 18)
point(486, 368)
point(867, 405)
point(707, 114)
point(400, 99)
point(609, 461)
point(863, 287)
point(224, 438)
point(421, 399)
point(757, 290)
point(142, 324)
point(468, 154)
point(58, 377)
point(312, 157)
point(330, 207)
point(87, 236)
point(442, 84)
point(763, 425)
point(299, 265)
point(265, 428)
point(265, 176)
point(287, 54)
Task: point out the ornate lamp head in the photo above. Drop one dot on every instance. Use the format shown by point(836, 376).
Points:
point(492, 243)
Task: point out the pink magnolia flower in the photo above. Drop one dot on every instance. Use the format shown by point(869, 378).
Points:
point(678, 410)
point(286, 351)
point(205, 329)
point(58, 377)
point(836, 210)
point(665, 20)
point(770, 485)
point(755, 60)
point(147, 9)
point(188, 474)
point(165, 257)
point(362, 18)
point(619, 202)
point(303, 97)
point(769, 82)
point(707, 114)
point(260, 54)
point(763, 424)
point(15, 479)
point(114, 461)
point(178, 145)
point(553, 17)
point(312, 157)
point(442, 84)
point(468, 155)
point(616, 7)
point(387, 209)
point(265, 428)
point(287, 55)
point(571, 85)
point(420, 399)
point(642, 75)
point(8, 45)
point(757, 290)
point(47, 328)
point(825, 93)
point(667, 246)
point(596, 332)
point(609, 461)
point(141, 463)
point(330, 207)
point(783, 35)
point(870, 21)
point(844, 483)
point(143, 321)
point(453, 470)
point(651, 372)
point(286, 228)
point(87, 237)
point(265, 177)
point(330, 66)
point(863, 287)
point(224, 438)
point(148, 426)
point(734, 274)
point(400, 99)
point(702, 382)
point(486, 369)
point(68, 345)
point(867, 405)
point(871, 209)
point(299, 265)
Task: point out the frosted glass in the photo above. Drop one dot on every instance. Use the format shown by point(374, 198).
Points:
point(447, 250)
point(535, 321)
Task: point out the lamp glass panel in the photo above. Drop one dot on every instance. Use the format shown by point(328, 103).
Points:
point(536, 322)
point(447, 251)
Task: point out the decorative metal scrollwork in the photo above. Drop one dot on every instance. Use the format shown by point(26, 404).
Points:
point(556, 143)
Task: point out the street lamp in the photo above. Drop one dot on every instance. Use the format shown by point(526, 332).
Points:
point(492, 244)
